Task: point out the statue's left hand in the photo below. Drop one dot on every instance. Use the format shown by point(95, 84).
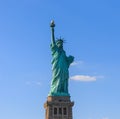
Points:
point(71, 58)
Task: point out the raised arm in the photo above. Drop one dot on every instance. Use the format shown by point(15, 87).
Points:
point(52, 25)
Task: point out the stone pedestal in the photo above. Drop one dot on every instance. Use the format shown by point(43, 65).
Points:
point(58, 107)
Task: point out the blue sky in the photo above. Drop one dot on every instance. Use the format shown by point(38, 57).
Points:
point(92, 33)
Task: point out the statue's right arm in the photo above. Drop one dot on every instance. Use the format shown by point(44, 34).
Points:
point(52, 25)
point(52, 36)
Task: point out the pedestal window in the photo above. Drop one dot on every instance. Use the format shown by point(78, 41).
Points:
point(55, 111)
point(65, 111)
point(60, 111)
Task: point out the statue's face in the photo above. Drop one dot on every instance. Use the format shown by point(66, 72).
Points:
point(60, 44)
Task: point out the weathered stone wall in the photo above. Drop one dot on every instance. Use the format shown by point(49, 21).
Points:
point(58, 107)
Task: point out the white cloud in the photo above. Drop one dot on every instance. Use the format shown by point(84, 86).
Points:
point(83, 78)
point(38, 83)
point(77, 63)
point(33, 83)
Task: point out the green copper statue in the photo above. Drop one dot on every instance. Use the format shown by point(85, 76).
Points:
point(60, 65)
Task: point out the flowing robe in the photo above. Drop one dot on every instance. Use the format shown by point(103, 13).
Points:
point(60, 73)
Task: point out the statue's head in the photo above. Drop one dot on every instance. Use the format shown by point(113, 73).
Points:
point(59, 43)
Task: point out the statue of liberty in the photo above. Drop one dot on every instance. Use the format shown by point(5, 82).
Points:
point(60, 65)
